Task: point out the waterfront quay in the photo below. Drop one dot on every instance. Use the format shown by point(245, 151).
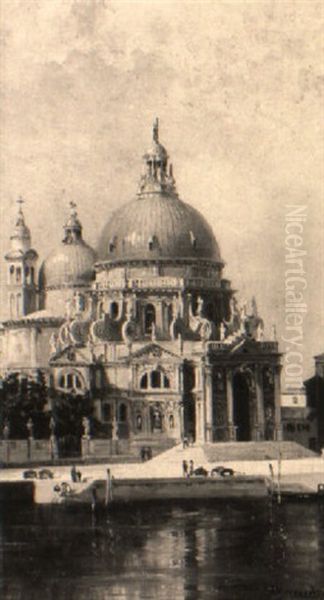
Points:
point(288, 476)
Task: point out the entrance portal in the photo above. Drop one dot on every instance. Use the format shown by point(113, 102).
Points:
point(241, 407)
point(189, 417)
point(189, 408)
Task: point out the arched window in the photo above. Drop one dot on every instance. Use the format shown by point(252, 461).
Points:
point(155, 379)
point(114, 310)
point(32, 274)
point(171, 422)
point(19, 305)
point(143, 382)
point(77, 382)
point(122, 413)
point(149, 318)
point(166, 382)
point(139, 422)
point(193, 239)
point(156, 416)
point(12, 305)
point(18, 275)
point(61, 381)
point(69, 380)
point(27, 273)
point(106, 412)
point(11, 273)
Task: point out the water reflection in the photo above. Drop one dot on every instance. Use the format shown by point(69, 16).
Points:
point(222, 551)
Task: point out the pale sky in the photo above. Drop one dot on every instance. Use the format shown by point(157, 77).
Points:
point(238, 89)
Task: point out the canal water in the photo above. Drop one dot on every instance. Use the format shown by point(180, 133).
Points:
point(237, 550)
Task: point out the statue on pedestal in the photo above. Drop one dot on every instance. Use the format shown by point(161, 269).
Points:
point(86, 428)
point(222, 332)
point(54, 343)
point(30, 428)
point(114, 429)
point(6, 430)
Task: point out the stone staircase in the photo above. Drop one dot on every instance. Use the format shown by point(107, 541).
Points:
point(245, 451)
point(169, 463)
point(158, 445)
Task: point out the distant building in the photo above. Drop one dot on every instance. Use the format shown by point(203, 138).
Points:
point(148, 325)
point(299, 422)
point(315, 398)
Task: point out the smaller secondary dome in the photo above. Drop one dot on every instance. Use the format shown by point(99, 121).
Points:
point(71, 263)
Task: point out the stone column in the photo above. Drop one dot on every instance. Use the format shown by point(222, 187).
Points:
point(180, 379)
point(181, 420)
point(259, 408)
point(159, 318)
point(277, 423)
point(229, 399)
point(208, 404)
point(198, 378)
point(200, 420)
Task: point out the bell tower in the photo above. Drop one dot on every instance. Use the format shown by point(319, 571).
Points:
point(21, 262)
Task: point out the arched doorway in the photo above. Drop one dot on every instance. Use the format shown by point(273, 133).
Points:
point(189, 407)
point(241, 407)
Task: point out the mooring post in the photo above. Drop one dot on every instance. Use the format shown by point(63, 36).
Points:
point(108, 497)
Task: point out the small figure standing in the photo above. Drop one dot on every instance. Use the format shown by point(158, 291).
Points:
point(185, 442)
point(191, 467)
point(185, 468)
point(74, 474)
point(93, 498)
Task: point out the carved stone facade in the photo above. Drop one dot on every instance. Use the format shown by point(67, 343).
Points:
point(150, 327)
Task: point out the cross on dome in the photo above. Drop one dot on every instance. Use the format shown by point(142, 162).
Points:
point(20, 201)
point(20, 216)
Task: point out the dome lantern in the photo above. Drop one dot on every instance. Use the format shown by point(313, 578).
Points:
point(157, 176)
point(73, 227)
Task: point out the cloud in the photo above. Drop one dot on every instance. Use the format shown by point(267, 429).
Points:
point(237, 87)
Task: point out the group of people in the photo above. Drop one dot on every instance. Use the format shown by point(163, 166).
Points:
point(188, 468)
point(146, 453)
point(187, 441)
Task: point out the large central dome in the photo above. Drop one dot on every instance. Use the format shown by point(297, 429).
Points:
point(157, 224)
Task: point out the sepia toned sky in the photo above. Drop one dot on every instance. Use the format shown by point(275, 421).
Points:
point(238, 88)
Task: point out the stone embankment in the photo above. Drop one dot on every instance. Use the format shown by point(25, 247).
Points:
point(296, 467)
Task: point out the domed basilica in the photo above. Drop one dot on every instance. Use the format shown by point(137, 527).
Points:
point(147, 325)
